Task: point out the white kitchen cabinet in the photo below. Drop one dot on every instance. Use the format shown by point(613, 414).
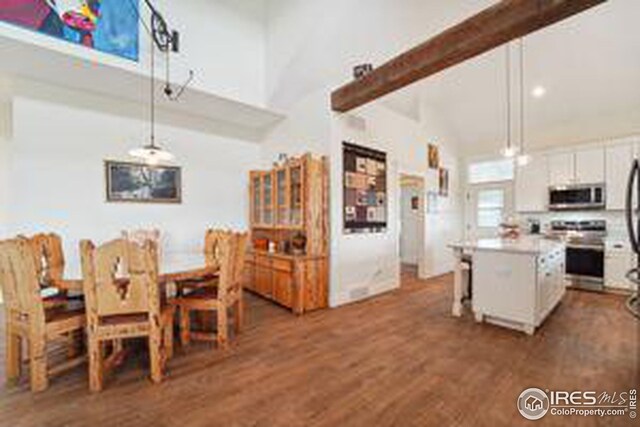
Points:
point(589, 166)
point(618, 164)
point(618, 260)
point(532, 186)
point(517, 285)
point(561, 169)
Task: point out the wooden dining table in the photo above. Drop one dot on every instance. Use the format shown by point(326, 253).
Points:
point(173, 268)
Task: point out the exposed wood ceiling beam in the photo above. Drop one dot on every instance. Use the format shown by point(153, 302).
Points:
point(495, 26)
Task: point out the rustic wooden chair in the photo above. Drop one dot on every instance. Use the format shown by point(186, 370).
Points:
point(49, 257)
point(49, 262)
point(212, 240)
point(28, 319)
point(227, 294)
point(141, 236)
point(123, 308)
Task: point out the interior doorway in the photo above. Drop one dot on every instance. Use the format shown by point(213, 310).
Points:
point(412, 217)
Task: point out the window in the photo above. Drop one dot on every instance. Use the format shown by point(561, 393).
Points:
point(490, 208)
point(491, 171)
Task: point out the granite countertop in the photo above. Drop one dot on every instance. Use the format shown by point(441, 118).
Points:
point(523, 245)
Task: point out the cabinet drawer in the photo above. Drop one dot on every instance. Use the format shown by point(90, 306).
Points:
point(263, 261)
point(283, 265)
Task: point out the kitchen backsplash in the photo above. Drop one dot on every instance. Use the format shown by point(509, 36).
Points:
point(616, 225)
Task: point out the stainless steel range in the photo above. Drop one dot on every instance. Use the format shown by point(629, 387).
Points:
point(585, 242)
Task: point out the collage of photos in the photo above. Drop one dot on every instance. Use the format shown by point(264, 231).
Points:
point(365, 189)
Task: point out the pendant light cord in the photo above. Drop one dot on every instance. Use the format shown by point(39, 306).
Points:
point(508, 80)
point(522, 95)
point(153, 95)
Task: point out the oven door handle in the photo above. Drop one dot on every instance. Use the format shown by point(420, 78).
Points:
point(633, 237)
point(588, 247)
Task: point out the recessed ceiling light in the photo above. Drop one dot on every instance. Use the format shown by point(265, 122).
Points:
point(539, 91)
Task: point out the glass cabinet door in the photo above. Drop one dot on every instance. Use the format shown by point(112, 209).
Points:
point(256, 194)
point(295, 194)
point(281, 198)
point(267, 199)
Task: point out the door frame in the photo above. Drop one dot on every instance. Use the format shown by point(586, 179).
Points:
point(418, 182)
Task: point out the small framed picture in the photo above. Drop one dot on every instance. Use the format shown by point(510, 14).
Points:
point(415, 203)
point(434, 156)
point(443, 180)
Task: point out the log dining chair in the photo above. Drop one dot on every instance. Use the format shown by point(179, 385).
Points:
point(231, 248)
point(143, 235)
point(49, 257)
point(28, 319)
point(212, 240)
point(124, 308)
point(49, 261)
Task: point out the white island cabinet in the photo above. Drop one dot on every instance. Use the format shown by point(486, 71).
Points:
point(515, 284)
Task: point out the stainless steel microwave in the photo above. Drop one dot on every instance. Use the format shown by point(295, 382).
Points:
point(577, 197)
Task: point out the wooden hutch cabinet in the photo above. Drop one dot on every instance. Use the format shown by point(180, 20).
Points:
point(289, 262)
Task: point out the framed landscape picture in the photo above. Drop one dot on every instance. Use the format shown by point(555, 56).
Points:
point(141, 183)
point(365, 189)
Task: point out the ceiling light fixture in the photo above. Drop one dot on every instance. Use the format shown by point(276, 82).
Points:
point(166, 41)
point(509, 151)
point(539, 92)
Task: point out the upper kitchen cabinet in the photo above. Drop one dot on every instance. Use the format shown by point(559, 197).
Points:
point(532, 186)
point(561, 169)
point(618, 162)
point(584, 166)
point(590, 166)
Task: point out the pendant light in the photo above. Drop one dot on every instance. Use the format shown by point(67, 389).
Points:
point(152, 153)
point(509, 151)
point(523, 159)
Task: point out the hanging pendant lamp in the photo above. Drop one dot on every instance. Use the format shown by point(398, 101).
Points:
point(152, 153)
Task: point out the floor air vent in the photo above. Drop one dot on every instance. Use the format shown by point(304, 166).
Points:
point(358, 294)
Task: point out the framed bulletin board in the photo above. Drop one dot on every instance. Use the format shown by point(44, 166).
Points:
point(365, 189)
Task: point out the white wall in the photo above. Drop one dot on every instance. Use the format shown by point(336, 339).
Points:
point(307, 128)
point(57, 167)
point(363, 265)
point(223, 41)
point(446, 224)
point(5, 160)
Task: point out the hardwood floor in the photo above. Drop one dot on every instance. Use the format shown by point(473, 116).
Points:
point(396, 360)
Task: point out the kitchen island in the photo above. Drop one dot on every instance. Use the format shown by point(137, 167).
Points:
point(511, 283)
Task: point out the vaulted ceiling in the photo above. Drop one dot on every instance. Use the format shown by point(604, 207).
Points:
point(589, 64)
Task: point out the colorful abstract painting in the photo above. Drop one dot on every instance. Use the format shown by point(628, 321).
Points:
point(109, 26)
